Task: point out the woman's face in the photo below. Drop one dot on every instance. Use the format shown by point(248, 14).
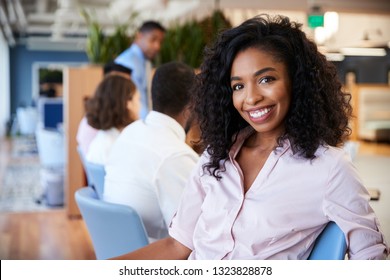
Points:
point(134, 105)
point(261, 90)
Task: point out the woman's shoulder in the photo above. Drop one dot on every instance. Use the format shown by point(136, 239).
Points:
point(329, 151)
point(333, 156)
point(104, 137)
point(204, 158)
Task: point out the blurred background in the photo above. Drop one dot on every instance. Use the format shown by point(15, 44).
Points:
point(51, 55)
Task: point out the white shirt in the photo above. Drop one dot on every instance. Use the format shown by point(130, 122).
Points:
point(100, 146)
point(280, 216)
point(85, 135)
point(148, 168)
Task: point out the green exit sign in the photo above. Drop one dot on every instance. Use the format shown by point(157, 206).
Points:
point(315, 20)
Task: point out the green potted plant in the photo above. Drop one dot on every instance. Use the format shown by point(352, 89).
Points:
point(186, 42)
point(182, 43)
point(102, 48)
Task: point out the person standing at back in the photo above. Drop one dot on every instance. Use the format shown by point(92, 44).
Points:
point(146, 46)
point(150, 162)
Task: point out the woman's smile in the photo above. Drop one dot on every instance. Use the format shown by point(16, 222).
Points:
point(260, 114)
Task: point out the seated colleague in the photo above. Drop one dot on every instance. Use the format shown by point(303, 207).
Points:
point(273, 116)
point(85, 132)
point(116, 103)
point(112, 68)
point(150, 162)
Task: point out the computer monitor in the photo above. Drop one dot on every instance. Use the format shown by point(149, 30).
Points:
point(51, 110)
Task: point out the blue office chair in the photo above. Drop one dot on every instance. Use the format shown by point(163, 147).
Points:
point(330, 244)
point(96, 173)
point(114, 229)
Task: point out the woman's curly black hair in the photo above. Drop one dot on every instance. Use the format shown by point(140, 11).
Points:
point(108, 107)
point(319, 112)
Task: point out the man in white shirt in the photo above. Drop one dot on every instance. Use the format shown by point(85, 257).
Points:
point(150, 162)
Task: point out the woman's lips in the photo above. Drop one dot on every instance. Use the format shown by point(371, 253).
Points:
point(260, 114)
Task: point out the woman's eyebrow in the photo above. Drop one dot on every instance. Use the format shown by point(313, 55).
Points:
point(257, 73)
point(262, 71)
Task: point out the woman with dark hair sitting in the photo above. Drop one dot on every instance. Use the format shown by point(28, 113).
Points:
point(273, 118)
point(115, 104)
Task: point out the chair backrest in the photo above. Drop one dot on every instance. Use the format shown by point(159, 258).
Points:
point(96, 173)
point(114, 229)
point(330, 244)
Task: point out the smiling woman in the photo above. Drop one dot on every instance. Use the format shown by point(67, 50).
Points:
point(272, 115)
point(262, 95)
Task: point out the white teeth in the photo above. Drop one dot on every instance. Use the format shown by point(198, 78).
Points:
point(259, 113)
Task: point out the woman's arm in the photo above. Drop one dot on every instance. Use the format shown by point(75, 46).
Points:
point(164, 249)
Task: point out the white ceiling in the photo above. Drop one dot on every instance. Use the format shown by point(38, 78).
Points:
point(61, 19)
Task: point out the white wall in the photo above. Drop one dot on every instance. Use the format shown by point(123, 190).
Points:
point(352, 26)
point(352, 29)
point(4, 85)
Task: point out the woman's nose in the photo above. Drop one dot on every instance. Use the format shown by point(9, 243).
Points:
point(253, 96)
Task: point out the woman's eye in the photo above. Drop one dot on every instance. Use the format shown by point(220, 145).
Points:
point(266, 80)
point(237, 87)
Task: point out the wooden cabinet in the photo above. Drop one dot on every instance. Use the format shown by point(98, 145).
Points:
point(79, 82)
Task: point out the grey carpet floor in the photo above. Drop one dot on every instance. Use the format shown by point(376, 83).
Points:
point(375, 173)
point(21, 187)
